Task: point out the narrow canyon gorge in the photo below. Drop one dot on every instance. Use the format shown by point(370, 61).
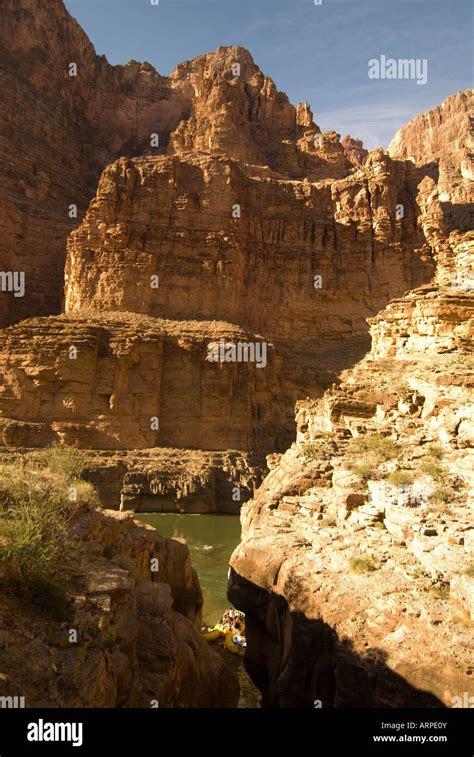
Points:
point(156, 218)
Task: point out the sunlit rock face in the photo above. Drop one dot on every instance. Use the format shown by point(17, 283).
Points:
point(355, 566)
point(67, 113)
point(230, 243)
point(442, 140)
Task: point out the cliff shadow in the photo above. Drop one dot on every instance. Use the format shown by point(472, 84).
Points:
point(458, 217)
point(297, 662)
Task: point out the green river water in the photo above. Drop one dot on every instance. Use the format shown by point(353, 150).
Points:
point(211, 540)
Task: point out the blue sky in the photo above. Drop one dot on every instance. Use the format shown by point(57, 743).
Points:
point(314, 53)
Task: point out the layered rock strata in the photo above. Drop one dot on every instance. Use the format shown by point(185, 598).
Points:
point(228, 205)
point(82, 113)
point(129, 382)
point(356, 563)
point(167, 479)
point(294, 261)
point(442, 141)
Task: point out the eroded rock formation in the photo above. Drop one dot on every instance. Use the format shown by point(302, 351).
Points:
point(233, 243)
point(442, 141)
point(138, 630)
point(355, 150)
point(229, 216)
point(129, 382)
point(82, 113)
point(355, 567)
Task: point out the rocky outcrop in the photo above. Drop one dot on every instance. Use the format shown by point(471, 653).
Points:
point(355, 567)
point(442, 142)
point(170, 480)
point(135, 610)
point(165, 479)
point(65, 114)
point(354, 150)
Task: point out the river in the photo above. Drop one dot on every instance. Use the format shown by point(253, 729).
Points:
point(211, 539)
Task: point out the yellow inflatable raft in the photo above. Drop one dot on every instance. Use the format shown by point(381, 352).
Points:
point(231, 647)
point(211, 634)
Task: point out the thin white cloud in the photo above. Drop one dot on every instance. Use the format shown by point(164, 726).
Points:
point(374, 124)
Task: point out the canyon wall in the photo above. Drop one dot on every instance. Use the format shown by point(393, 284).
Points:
point(112, 374)
point(66, 113)
point(442, 141)
point(132, 382)
point(231, 243)
point(210, 211)
point(355, 566)
point(57, 132)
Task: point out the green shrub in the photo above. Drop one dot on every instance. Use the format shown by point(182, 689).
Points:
point(378, 447)
point(362, 565)
point(400, 478)
point(434, 450)
point(363, 470)
point(48, 596)
point(466, 360)
point(65, 461)
point(431, 468)
point(85, 493)
point(36, 507)
point(443, 495)
point(313, 450)
point(310, 450)
point(404, 392)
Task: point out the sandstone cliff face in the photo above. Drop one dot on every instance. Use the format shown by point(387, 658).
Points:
point(242, 212)
point(228, 243)
point(57, 133)
point(138, 644)
point(129, 369)
point(442, 140)
point(131, 382)
point(77, 124)
point(355, 567)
